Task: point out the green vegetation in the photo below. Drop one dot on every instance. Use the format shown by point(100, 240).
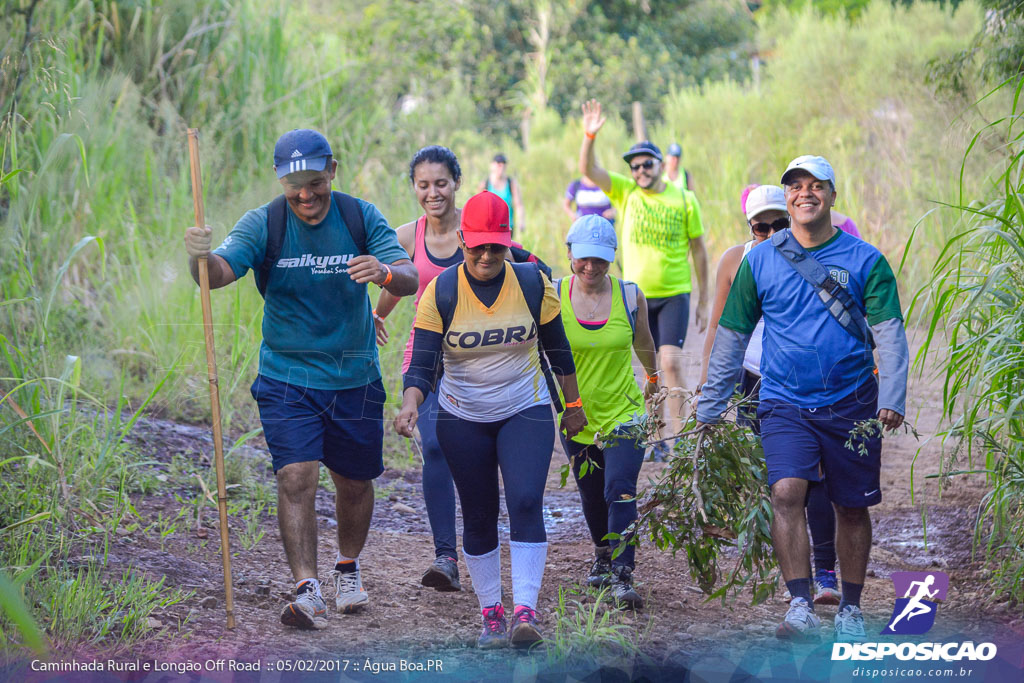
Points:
point(974, 310)
point(99, 322)
point(590, 630)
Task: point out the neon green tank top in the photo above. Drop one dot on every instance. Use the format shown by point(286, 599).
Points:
point(604, 366)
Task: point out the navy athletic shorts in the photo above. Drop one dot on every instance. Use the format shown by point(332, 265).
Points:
point(343, 429)
point(669, 318)
point(796, 440)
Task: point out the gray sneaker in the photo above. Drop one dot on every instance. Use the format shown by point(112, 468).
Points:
point(622, 589)
point(442, 575)
point(308, 612)
point(349, 594)
point(850, 625)
point(801, 623)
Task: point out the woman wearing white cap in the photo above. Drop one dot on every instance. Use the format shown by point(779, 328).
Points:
point(605, 320)
point(765, 210)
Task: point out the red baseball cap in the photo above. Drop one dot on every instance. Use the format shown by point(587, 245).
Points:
point(485, 221)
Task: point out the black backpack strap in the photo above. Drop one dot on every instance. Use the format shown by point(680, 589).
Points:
point(531, 282)
point(446, 294)
point(836, 299)
point(277, 220)
point(352, 214)
point(520, 255)
point(629, 290)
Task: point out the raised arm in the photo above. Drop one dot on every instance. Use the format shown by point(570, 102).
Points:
point(592, 122)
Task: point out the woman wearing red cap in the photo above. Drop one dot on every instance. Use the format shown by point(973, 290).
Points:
point(486, 318)
point(433, 243)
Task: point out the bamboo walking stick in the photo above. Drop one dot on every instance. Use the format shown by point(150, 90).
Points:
point(211, 371)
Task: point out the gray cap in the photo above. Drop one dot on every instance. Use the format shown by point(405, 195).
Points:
point(674, 150)
point(592, 236)
point(816, 166)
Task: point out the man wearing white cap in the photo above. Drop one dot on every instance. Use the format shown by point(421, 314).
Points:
point(826, 298)
point(313, 252)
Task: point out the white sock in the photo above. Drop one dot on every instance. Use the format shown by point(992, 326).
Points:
point(485, 570)
point(528, 561)
point(342, 558)
point(315, 583)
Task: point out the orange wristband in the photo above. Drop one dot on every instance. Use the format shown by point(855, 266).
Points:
point(388, 278)
point(578, 403)
point(589, 136)
point(652, 379)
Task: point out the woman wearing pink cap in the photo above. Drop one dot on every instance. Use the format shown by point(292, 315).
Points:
point(488, 318)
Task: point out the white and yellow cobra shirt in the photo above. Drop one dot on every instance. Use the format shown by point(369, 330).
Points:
point(491, 363)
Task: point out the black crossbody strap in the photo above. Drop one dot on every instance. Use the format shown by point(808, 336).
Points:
point(833, 296)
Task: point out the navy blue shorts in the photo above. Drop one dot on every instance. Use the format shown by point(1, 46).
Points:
point(343, 429)
point(798, 440)
point(669, 318)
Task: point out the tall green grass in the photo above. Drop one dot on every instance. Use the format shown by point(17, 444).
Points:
point(974, 310)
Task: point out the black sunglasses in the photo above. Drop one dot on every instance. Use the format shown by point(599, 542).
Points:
point(648, 165)
point(496, 249)
point(769, 228)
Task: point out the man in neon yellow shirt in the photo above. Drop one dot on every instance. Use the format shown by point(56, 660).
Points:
point(661, 229)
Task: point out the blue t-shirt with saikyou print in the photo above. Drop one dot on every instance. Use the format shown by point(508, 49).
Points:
point(317, 323)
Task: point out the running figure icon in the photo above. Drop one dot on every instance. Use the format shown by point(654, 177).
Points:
point(921, 593)
point(915, 607)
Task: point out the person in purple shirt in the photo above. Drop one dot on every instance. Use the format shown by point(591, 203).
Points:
point(589, 200)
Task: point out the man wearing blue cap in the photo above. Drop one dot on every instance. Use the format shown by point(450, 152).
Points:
point(826, 298)
point(320, 396)
point(661, 231)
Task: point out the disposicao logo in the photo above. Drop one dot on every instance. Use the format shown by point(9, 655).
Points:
point(914, 614)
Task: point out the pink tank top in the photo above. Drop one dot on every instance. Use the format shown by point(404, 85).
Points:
point(428, 270)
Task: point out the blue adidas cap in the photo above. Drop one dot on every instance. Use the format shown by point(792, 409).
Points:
point(592, 236)
point(301, 149)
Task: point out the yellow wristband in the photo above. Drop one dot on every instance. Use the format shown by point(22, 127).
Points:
point(578, 403)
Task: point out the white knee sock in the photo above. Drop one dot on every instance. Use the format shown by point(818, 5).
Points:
point(528, 561)
point(485, 570)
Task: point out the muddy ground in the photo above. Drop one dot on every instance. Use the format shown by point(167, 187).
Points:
point(404, 618)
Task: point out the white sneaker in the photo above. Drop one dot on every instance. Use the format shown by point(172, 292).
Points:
point(850, 625)
point(309, 611)
point(349, 594)
point(801, 623)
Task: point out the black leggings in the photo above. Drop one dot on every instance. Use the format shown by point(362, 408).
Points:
point(602, 488)
point(521, 447)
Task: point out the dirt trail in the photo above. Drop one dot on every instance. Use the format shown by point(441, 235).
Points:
point(421, 623)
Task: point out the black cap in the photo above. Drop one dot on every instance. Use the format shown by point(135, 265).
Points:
point(500, 158)
point(645, 147)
